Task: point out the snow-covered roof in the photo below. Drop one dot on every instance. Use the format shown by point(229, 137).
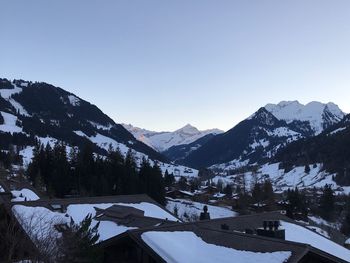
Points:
point(186, 246)
point(189, 208)
point(293, 231)
point(38, 218)
point(24, 195)
point(219, 195)
point(196, 242)
point(297, 233)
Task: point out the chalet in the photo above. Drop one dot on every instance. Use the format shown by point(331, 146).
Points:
point(134, 228)
point(180, 194)
point(294, 231)
point(205, 242)
point(43, 218)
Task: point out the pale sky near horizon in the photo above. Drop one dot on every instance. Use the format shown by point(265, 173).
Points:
point(162, 64)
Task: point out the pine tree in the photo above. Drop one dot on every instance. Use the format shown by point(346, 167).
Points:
point(77, 242)
point(228, 190)
point(169, 179)
point(327, 203)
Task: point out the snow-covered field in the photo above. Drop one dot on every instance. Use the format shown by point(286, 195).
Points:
point(186, 246)
point(282, 180)
point(193, 209)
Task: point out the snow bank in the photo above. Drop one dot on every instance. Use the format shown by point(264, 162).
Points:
point(185, 246)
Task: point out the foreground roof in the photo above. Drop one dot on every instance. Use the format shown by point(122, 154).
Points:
point(293, 231)
point(116, 214)
point(194, 243)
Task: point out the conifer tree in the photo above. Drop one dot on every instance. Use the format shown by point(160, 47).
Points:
point(327, 202)
point(77, 243)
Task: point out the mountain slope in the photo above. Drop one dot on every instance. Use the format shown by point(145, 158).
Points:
point(331, 148)
point(317, 116)
point(32, 111)
point(178, 152)
point(162, 141)
point(260, 136)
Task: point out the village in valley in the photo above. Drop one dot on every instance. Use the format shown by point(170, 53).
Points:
point(135, 228)
point(186, 131)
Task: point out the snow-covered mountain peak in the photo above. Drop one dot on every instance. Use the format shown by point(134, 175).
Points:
point(162, 141)
point(318, 115)
point(264, 117)
point(188, 129)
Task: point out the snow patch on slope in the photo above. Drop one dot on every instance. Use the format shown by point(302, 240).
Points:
point(9, 123)
point(27, 155)
point(73, 100)
point(7, 95)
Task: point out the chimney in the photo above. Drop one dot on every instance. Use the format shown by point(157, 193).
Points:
point(271, 229)
point(204, 215)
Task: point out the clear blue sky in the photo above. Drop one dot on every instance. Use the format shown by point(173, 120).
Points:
point(162, 64)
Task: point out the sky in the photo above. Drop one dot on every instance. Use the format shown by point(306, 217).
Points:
point(162, 64)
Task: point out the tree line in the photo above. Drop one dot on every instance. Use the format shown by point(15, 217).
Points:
point(84, 173)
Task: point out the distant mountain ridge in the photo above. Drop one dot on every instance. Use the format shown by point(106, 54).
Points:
point(32, 112)
point(259, 137)
point(319, 116)
point(162, 141)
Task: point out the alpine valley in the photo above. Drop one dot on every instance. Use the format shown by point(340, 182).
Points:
point(277, 141)
point(36, 111)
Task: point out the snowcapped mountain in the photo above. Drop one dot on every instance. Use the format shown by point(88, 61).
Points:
point(312, 162)
point(259, 137)
point(36, 111)
point(317, 116)
point(161, 141)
